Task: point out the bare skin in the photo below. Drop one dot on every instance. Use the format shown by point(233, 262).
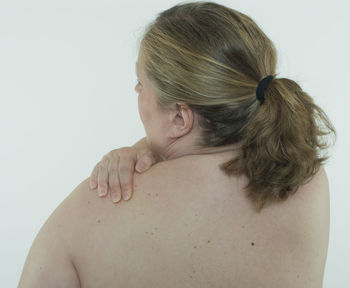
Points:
point(189, 225)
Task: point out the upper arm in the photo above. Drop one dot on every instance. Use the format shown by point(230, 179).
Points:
point(48, 263)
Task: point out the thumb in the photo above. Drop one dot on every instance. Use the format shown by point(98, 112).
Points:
point(145, 162)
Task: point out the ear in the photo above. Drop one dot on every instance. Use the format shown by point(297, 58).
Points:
point(182, 119)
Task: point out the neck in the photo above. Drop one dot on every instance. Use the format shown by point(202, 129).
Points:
point(186, 146)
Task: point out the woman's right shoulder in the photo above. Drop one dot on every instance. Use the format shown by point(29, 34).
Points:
point(316, 189)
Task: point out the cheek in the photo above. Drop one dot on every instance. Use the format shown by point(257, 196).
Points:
point(142, 108)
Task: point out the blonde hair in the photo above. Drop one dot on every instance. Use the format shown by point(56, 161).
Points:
point(212, 58)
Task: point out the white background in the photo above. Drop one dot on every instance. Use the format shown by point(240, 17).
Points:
point(67, 77)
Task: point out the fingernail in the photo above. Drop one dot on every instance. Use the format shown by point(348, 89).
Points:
point(126, 194)
point(115, 197)
point(140, 167)
point(92, 184)
point(102, 192)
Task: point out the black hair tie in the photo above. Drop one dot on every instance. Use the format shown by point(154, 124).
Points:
point(261, 88)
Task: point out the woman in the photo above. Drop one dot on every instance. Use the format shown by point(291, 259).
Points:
point(242, 199)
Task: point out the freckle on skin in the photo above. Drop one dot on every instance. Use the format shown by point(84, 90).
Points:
point(88, 202)
point(208, 241)
point(194, 246)
point(252, 243)
point(98, 221)
point(146, 232)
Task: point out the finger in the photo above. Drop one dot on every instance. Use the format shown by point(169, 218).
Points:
point(102, 180)
point(93, 177)
point(113, 180)
point(126, 173)
point(145, 162)
point(114, 185)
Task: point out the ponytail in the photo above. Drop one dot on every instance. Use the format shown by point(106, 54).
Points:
point(280, 150)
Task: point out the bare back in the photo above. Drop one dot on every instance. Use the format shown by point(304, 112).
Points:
point(189, 225)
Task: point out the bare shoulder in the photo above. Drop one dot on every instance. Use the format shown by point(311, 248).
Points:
point(83, 208)
point(179, 202)
point(317, 186)
point(308, 220)
point(315, 207)
point(313, 196)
